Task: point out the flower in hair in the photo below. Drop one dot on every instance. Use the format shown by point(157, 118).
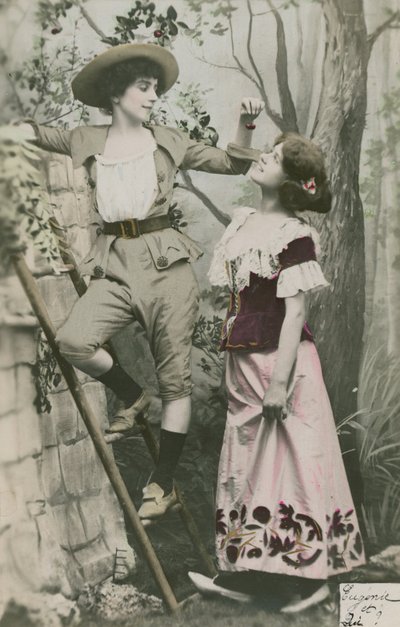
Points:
point(310, 185)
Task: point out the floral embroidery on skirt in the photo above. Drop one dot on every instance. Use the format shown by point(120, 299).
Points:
point(283, 500)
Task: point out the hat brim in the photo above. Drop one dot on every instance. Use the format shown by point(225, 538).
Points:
point(85, 85)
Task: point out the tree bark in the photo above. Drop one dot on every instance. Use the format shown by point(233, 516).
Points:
point(337, 314)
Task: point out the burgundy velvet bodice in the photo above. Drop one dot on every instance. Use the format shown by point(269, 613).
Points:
point(255, 314)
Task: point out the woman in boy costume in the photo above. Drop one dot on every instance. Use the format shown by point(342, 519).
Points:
point(139, 266)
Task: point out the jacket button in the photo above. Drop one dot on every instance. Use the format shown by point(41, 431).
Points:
point(162, 262)
point(99, 230)
point(98, 271)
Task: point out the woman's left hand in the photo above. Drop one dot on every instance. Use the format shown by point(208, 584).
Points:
point(275, 402)
point(250, 109)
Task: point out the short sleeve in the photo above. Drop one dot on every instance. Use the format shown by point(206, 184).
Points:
point(299, 269)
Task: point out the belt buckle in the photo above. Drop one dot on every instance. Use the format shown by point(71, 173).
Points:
point(134, 228)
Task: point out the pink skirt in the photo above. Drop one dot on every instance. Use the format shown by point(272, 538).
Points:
point(283, 500)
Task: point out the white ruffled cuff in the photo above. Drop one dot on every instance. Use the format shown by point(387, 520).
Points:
point(302, 277)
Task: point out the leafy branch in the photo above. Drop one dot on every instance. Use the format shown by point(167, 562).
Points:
point(24, 212)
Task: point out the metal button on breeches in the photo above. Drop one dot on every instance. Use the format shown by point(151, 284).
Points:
point(98, 271)
point(162, 262)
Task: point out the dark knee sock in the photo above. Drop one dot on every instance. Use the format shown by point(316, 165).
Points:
point(171, 445)
point(123, 386)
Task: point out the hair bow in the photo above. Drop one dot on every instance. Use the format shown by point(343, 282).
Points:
point(310, 185)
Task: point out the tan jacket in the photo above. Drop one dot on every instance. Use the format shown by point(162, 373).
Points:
point(175, 151)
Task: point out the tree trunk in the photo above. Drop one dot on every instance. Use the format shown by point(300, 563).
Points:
point(337, 314)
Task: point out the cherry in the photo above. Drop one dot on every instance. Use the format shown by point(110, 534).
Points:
point(158, 33)
point(250, 126)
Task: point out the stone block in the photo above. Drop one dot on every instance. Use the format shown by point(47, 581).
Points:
point(79, 241)
point(47, 429)
point(24, 547)
point(25, 383)
point(95, 393)
point(18, 346)
point(59, 295)
point(8, 438)
point(76, 528)
point(81, 469)
point(26, 475)
point(96, 561)
point(64, 416)
point(96, 520)
point(114, 530)
point(58, 174)
point(28, 431)
point(7, 356)
point(52, 479)
point(65, 207)
point(8, 391)
point(13, 298)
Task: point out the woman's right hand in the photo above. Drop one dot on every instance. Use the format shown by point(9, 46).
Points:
point(275, 402)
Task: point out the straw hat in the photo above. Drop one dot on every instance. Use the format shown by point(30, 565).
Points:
point(85, 84)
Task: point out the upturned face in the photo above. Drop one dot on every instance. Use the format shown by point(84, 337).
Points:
point(268, 171)
point(138, 99)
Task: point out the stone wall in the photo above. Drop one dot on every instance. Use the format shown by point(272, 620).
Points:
point(60, 522)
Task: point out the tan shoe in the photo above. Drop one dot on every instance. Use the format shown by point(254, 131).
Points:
point(124, 417)
point(154, 503)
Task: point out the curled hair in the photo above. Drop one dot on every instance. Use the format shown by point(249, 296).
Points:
point(119, 76)
point(302, 160)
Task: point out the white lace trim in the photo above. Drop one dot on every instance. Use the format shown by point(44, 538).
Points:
point(302, 277)
point(265, 262)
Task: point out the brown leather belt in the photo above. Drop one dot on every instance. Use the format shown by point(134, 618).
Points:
point(135, 228)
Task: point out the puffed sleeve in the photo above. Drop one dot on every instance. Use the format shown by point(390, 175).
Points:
point(50, 138)
point(299, 269)
point(234, 160)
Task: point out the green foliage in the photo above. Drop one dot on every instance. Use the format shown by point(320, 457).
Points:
point(24, 212)
point(206, 337)
point(49, 13)
point(219, 10)
point(43, 84)
point(143, 16)
point(45, 373)
point(188, 113)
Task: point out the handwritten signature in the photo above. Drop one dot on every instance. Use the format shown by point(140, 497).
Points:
point(363, 605)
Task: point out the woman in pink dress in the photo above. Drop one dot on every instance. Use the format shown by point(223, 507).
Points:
point(284, 505)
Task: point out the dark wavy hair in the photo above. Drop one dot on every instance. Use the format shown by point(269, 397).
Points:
point(118, 77)
point(302, 160)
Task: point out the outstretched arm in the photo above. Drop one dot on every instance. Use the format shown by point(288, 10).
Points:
point(274, 403)
point(238, 156)
point(49, 138)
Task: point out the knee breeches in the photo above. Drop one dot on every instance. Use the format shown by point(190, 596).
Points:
point(164, 302)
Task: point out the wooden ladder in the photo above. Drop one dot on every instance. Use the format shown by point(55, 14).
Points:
point(100, 441)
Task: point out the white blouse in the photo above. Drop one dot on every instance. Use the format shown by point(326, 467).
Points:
point(306, 276)
point(126, 188)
